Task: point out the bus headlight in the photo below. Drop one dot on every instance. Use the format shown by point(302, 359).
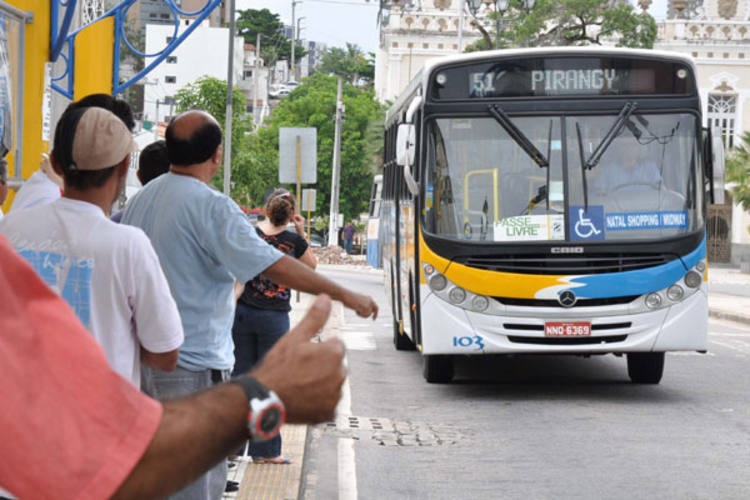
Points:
point(457, 295)
point(438, 282)
point(701, 266)
point(675, 293)
point(693, 279)
point(653, 300)
point(480, 303)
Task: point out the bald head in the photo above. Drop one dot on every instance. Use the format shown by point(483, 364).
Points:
point(192, 138)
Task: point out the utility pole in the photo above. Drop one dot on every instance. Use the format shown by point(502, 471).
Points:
point(255, 80)
point(294, 35)
point(336, 171)
point(228, 118)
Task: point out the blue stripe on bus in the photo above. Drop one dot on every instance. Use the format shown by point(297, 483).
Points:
point(626, 283)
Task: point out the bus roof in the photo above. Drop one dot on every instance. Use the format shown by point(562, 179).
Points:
point(420, 79)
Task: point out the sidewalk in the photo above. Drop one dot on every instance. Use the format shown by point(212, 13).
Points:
point(722, 304)
point(280, 482)
point(283, 481)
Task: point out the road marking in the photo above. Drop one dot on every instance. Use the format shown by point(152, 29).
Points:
point(356, 339)
point(347, 466)
point(734, 345)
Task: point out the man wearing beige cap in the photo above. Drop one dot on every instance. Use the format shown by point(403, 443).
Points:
point(108, 273)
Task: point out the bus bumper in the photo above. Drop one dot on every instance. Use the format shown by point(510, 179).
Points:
point(447, 329)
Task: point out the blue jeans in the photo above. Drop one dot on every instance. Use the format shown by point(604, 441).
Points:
point(255, 332)
point(181, 382)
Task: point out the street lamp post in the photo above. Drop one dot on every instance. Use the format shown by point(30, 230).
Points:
point(501, 8)
point(296, 68)
point(294, 33)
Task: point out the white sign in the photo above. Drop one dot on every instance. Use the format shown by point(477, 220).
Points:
point(530, 228)
point(308, 200)
point(298, 147)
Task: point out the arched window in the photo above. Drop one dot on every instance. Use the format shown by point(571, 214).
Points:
point(722, 113)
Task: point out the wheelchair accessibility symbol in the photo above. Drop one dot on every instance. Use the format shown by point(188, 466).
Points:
point(587, 224)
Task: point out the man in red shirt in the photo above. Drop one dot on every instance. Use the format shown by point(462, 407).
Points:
point(64, 408)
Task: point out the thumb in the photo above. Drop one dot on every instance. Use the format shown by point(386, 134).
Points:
point(314, 320)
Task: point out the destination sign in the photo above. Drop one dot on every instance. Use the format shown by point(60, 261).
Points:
point(562, 76)
point(571, 80)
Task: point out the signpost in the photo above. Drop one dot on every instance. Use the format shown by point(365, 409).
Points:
point(298, 154)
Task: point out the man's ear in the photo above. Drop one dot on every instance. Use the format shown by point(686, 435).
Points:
point(123, 166)
point(217, 155)
point(55, 166)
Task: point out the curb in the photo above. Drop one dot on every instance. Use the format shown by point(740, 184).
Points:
point(727, 315)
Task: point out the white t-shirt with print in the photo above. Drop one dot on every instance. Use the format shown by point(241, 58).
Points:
point(107, 272)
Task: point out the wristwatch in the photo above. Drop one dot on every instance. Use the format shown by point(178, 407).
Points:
point(266, 413)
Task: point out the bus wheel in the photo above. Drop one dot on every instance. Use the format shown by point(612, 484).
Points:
point(437, 369)
point(401, 340)
point(645, 367)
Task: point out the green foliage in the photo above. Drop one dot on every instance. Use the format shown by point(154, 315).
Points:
point(313, 104)
point(274, 46)
point(569, 22)
point(738, 172)
point(210, 94)
point(350, 63)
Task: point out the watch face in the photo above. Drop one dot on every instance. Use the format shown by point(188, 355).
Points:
point(270, 419)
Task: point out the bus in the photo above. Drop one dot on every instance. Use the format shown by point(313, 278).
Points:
point(373, 223)
point(505, 228)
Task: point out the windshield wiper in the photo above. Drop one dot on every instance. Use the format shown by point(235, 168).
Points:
point(518, 136)
point(622, 118)
point(583, 168)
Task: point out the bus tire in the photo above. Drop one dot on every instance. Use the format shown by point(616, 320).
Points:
point(437, 369)
point(401, 341)
point(645, 367)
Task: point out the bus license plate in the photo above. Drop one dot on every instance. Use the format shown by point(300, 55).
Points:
point(567, 329)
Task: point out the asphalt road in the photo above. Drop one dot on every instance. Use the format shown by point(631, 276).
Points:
point(532, 427)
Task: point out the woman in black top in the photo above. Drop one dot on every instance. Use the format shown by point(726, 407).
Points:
point(262, 314)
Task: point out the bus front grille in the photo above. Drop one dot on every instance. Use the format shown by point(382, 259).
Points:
point(609, 301)
point(579, 264)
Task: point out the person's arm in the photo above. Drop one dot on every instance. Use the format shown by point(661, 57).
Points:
point(293, 274)
point(309, 259)
point(164, 361)
point(198, 431)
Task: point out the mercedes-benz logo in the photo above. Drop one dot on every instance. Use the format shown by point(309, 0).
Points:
point(567, 298)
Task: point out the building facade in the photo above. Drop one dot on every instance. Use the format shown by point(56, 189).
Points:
point(716, 33)
point(203, 53)
point(412, 33)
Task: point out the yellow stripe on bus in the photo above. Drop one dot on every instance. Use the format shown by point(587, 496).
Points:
point(486, 282)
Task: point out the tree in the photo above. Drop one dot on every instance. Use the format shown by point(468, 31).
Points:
point(569, 22)
point(274, 46)
point(313, 104)
point(350, 63)
point(210, 94)
point(738, 172)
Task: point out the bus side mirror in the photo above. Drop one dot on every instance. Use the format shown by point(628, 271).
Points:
point(715, 159)
point(405, 153)
point(405, 145)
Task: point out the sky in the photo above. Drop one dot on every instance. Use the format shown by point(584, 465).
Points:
point(333, 22)
point(336, 22)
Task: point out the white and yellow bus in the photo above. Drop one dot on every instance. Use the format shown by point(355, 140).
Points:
point(506, 228)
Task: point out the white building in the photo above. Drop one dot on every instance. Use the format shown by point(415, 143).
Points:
point(413, 32)
point(717, 34)
point(204, 52)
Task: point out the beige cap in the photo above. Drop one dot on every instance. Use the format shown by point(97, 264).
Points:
point(101, 140)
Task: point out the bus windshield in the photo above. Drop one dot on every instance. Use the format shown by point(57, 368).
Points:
point(480, 183)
